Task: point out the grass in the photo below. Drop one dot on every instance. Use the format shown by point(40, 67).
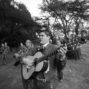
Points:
point(76, 74)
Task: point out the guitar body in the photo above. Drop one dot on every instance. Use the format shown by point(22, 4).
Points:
point(28, 68)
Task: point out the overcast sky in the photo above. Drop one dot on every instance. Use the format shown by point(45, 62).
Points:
point(33, 6)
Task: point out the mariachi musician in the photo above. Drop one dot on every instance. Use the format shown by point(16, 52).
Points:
point(52, 58)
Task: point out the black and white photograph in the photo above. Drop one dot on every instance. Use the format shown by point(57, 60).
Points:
point(44, 44)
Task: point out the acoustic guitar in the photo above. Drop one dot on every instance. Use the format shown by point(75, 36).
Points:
point(28, 67)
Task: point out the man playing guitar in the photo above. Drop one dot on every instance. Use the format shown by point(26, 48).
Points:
point(49, 57)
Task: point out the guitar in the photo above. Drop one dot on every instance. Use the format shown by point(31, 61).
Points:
point(28, 68)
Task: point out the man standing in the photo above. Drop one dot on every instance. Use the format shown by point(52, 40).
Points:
point(24, 51)
point(56, 60)
point(43, 78)
point(5, 53)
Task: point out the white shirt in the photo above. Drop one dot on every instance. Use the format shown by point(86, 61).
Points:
point(45, 44)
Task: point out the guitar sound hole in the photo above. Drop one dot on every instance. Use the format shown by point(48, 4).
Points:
point(27, 69)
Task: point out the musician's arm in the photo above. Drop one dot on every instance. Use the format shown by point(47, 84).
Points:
point(36, 61)
point(47, 54)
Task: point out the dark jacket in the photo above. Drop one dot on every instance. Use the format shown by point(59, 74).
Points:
point(49, 55)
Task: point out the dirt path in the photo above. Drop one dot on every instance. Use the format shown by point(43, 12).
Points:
point(76, 74)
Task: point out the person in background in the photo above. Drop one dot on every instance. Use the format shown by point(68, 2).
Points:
point(5, 53)
point(30, 51)
point(24, 51)
point(1, 48)
point(30, 46)
point(61, 62)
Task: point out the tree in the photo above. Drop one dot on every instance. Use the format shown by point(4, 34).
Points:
point(67, 13)
point(15, 20)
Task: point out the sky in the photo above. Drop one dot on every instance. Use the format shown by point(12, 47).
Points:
point(32, 6)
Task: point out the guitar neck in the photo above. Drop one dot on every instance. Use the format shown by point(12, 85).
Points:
point(48, 55)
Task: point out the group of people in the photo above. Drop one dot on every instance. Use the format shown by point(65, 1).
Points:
point(53, 58)
point(4, 50)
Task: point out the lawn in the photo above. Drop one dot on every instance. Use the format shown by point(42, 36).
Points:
point(76, 73)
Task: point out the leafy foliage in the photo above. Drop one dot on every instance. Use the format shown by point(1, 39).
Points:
point(69, 13)
point(16, 24)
